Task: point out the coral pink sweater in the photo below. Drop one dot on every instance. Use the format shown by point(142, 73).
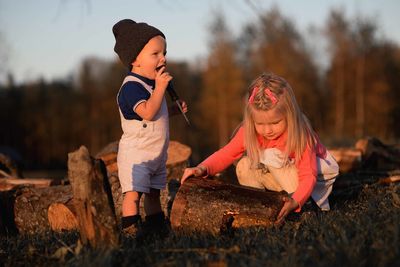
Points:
point(306, 166)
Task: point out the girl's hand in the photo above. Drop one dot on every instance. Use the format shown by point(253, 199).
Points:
point(288, 205)
point(195, 171)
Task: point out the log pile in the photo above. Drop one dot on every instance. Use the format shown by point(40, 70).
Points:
point(35, 205)
point(367, 154)
point(378, 156)
point(349, 159)
point(369, 161)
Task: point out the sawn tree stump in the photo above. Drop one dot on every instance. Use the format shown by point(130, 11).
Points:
point(92, 199)
point(205, 205)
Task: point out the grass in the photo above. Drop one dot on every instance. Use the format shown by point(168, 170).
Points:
point(362, 229)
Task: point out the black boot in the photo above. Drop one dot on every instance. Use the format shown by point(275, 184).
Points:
point(131, 226)
point(157, 225)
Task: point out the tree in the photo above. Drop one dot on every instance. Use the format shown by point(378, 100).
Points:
point(278, 47)
point(358, 78)
point(221, 99)
point(339, 44)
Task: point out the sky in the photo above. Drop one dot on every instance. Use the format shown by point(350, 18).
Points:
point(50, 38)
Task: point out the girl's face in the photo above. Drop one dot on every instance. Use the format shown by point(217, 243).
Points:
point(151, 58)
point(270, 124)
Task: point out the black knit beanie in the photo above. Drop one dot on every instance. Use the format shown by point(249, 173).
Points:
point(131, 37)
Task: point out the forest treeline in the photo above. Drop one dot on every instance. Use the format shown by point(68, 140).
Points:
point(353, 93)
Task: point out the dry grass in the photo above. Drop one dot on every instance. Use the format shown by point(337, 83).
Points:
point(362, 229)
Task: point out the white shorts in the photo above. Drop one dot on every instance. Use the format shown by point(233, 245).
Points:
point(142, 177)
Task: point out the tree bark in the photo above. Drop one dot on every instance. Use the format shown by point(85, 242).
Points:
point(92, 200)
point(212, 206)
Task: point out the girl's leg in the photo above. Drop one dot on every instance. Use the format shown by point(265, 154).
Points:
point(286, 177)
point(255, 177)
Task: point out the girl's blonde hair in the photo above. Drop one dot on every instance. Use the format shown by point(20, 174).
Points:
point(279, 94)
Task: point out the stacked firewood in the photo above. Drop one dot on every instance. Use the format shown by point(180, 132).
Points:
point(369, 161)
point(34, 205)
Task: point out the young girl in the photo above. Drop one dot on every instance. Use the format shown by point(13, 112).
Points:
point(282, 150)
point(142, 152)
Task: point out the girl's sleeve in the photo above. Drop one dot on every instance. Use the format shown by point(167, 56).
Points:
point(221, 159)
point(307, 174)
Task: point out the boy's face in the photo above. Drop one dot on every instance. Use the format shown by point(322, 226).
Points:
point(151, 58)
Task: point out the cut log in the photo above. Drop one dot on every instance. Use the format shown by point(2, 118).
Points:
point(30, 206)
point(62, 216)
point(349, 159)
point(211, 206)
point(378, 156)
point(92, 200)
point(390, 179)
point(178, 155)
point(7, 224)
point(10, 183)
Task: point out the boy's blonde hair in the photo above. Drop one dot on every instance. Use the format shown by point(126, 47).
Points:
point(280, 95)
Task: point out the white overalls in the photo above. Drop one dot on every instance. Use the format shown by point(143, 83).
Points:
point(142, 152)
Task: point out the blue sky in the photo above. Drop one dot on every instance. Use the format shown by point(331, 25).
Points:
point(49, 38)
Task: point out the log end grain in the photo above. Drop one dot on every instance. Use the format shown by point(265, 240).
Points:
point(61, 217)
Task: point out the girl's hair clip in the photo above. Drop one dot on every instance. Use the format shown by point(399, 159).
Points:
point(271, 96)
point(253, 94)
point(267, 91)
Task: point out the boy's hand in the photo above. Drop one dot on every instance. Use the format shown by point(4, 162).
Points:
point(184, 106)
point(162, 78)
point(288, 205)
point(174, 109)
point(195, 171)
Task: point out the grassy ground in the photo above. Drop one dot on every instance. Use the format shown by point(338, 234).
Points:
point(362, 229)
